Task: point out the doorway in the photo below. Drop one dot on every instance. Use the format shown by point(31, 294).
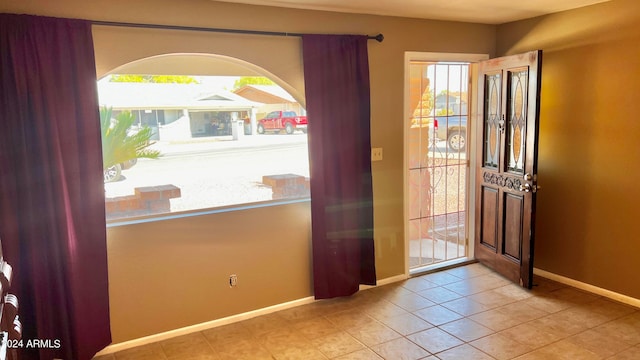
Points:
point(437, 159)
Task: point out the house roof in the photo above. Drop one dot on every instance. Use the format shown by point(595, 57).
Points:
point(452, 98)
point(170, 96)
point(267, 94)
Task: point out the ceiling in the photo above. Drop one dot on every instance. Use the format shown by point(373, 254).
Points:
point(477, 11)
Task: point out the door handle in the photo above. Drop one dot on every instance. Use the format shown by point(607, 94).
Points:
point(526, 187)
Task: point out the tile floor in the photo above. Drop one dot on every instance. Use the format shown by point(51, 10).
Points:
point(467, 312)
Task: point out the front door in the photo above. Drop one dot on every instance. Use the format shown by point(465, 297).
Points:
point(506, 172)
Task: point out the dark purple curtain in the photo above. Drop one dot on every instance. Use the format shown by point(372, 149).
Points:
point(336, 71)
point(51, 188)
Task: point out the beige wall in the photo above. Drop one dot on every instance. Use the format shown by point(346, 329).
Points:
point(587, 223)
point(170, 274)
point(166, 275)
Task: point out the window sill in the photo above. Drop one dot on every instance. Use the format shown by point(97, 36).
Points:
point(200, 212)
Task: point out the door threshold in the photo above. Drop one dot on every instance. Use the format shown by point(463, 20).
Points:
point(445, 265)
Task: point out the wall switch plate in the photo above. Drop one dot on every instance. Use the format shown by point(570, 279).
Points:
point(376, 154)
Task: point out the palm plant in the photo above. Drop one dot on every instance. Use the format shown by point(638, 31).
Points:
point(119, 144)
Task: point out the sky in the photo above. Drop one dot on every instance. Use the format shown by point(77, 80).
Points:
point(455, 76)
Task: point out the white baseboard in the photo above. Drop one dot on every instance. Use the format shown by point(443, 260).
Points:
point(588, 287)
point(224, 321)
point(202, 326)
point(385, 281)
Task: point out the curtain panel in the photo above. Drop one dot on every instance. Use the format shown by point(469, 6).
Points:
point(52, 220)
point(336, 71)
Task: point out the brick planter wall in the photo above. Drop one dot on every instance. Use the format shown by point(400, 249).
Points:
point(146, 200)
point(286, 186)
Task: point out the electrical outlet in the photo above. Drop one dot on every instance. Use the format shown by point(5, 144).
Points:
point(233, 280)
point(376, 154)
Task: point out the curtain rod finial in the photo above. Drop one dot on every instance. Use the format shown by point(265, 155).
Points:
point(379, 37)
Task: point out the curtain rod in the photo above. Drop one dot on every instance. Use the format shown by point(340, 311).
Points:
point(378, 37)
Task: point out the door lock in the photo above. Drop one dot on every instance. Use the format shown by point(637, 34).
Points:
point(526, 187)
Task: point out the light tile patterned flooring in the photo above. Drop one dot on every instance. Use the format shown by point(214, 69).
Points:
point(465, 313)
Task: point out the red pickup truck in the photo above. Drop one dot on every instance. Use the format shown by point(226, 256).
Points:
point(282, 120)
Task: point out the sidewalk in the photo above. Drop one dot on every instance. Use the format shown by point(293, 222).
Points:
point(225, 142)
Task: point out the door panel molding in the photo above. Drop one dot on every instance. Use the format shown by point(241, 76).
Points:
point(489, 218)
point(503, 180)
point(512, 239)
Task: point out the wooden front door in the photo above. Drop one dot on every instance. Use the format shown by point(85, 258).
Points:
point(506, 173)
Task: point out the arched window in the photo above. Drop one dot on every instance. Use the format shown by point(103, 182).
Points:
point(228, 138)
